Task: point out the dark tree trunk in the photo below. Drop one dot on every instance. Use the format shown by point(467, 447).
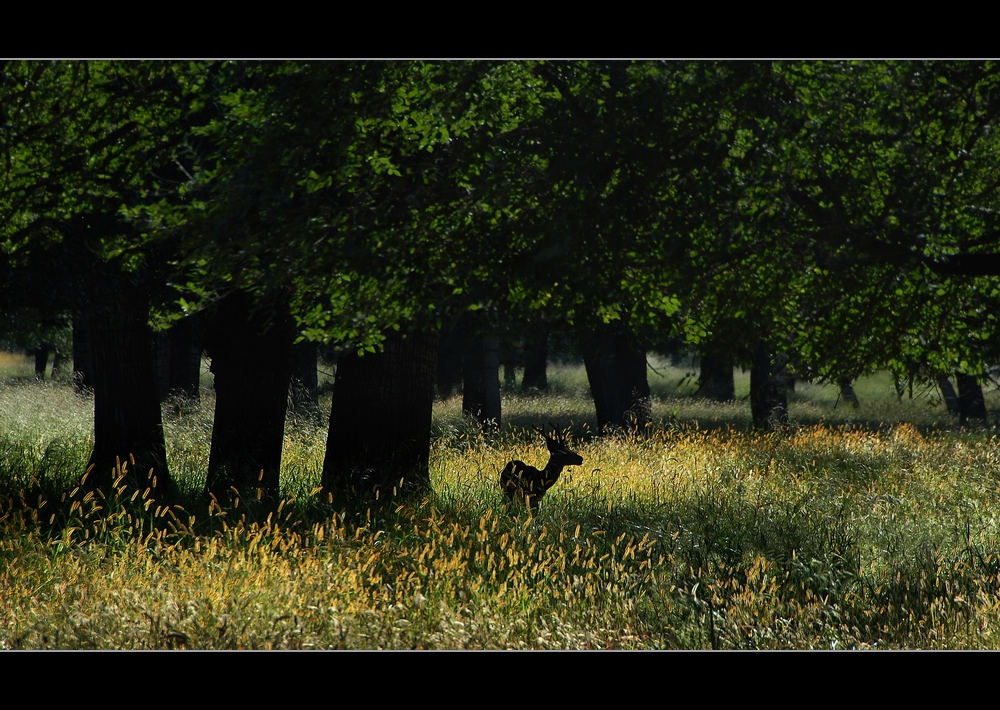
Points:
point(480, 379)
point(41, 361)
point(971, 403)
point(948, 392)
point(676, 355)
point(616, 370)
point(305, 380)
point(83, 361)
point(184, 358)
point(768, 389)
point(128, 427)
point(58, 363)
point(536, 357)
point(716, 381)
point(848, 395)
point(178, 361)
point(250, 345)
point(509, 374)
point(380, 422)
point(449, 363)
point(509, 361)
point(162, 363)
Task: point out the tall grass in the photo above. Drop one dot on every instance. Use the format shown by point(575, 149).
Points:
point(857, 530)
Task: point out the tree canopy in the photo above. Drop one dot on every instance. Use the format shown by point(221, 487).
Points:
point(843, 213)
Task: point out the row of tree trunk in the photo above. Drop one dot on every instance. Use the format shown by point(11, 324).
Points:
point(969, 403)
point(380, 423)
point(471, 355)
point(41, 357)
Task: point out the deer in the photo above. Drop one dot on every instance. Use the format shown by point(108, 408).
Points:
point(526, 484)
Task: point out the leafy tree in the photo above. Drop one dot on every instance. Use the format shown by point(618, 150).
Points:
point(623, 150)
point(84, 144)
point(342, 188)
point(860, 189)
point(892, 169)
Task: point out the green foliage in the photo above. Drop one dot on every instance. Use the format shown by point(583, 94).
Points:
point(90, 149)
point(826, 206)
point(887, 163)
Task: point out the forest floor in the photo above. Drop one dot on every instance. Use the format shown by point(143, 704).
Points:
point(866, 528)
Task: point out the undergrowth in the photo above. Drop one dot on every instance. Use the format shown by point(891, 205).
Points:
point(697, 533)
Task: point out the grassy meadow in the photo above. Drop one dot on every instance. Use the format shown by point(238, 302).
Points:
point(867, 528)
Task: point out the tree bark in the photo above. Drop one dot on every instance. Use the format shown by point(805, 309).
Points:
point(380, 423)
point(716, 380)
point(250, 345)
point(128, 427)
point(41, 354)
point(480, 379)
point(83, 361)
point(58, 362)
point(948, 393)
point(848, 395)
point(179, 360)
point(305, 380)
point(768, 389)
point(616, 370)
point(449, 363)
point(971, 403)
point(536, 357)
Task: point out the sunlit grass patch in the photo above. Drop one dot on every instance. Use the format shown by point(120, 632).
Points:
point(16, 366)
point(836, 534)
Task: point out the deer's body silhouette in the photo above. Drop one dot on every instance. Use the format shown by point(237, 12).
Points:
point(526, 484)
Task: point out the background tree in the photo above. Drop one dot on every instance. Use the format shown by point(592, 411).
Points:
point(84, 144)
point(890, 167)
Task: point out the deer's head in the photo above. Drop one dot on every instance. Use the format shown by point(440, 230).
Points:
point(559, 450)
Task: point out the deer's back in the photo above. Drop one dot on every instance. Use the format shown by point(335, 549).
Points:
point(518, 476)
point(514, 471)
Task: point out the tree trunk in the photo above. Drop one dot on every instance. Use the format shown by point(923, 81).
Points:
point(848, 395)
point(41, 361)
point(948, 393)
point(83, 361)
point(380, 423)
point(305, 380)
point(58, 362)
point(716, 381)
point(178, 361)
point(128, 427)
point(536, 356)
point(675, 352)
point(768, 389)
point(449, 363)
point(616, 370)
point(184, 358)
point(971, 403)
point(250, 345)
point(509, 374)
point(480, 379)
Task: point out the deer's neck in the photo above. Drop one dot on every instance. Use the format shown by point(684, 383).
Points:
point(552, 470)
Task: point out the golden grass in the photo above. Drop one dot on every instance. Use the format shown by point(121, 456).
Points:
point(16, 365)
point(833, 535)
